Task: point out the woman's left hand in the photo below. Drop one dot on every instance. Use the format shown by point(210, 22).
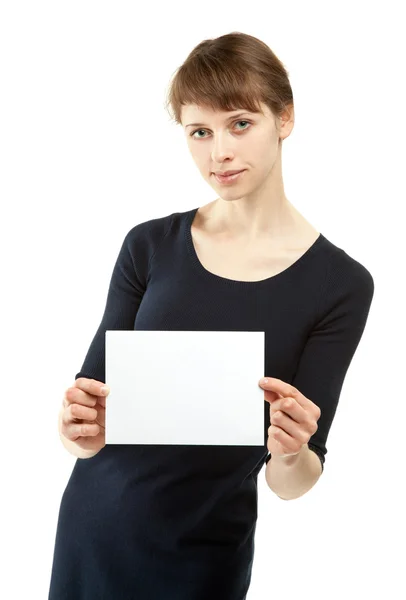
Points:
point(293, 417)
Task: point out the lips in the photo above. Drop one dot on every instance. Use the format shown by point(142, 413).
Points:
point(229, 179)
point(226, 173)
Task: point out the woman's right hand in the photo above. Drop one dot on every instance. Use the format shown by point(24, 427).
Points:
point(84, 414)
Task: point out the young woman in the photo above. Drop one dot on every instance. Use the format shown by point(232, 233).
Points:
point(170, 522)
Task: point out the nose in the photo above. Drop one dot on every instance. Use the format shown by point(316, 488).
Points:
point(221, 151)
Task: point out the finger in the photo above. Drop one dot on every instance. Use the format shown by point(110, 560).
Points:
point(291, 408)
point(290, 427)
point(288, 443)
point(271, 396)
point(77, 411)
point(79, 396)
point(72, 431)
point(101, 401)
point(284, 389)
point(91, 386)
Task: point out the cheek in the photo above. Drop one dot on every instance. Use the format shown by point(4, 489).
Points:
point(201, 159)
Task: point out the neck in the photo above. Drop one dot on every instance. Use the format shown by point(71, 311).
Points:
point(247, 219)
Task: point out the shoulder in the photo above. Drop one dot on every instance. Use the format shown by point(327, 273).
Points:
point(344, 269)
point(348, 287)
point(147, 236)
point(152, 229)
point(144, 239)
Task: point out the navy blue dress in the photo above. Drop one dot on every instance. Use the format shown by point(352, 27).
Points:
point(173, 522)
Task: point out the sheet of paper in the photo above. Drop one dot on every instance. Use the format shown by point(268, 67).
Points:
point(185, 387)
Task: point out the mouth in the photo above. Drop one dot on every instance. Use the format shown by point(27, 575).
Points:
point(229, 178)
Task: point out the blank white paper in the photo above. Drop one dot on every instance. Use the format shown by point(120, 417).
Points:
point(185, 387)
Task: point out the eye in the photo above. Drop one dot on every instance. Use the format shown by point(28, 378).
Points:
point(200, 138)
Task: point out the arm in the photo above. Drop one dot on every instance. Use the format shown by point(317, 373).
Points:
point(126, 290)
point(292, 476)
point(321, 370)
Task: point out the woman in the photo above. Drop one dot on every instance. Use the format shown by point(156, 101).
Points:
point(178, 522)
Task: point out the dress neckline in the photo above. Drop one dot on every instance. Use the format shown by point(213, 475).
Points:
point(190, 215)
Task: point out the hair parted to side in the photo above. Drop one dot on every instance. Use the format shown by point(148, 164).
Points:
point(230, 72)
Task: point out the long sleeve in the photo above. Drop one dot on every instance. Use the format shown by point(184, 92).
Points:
point(332, 343)
point(126, 290)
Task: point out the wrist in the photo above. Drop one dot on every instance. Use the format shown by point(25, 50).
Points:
point(290, 459)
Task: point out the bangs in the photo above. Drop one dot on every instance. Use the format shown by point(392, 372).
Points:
point(217, 84)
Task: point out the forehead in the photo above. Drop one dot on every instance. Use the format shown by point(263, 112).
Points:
point(195, 113)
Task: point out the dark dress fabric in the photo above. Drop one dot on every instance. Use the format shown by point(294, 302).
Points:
point(177, 522)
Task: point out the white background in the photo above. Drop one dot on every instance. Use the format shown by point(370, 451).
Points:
point(83, 133)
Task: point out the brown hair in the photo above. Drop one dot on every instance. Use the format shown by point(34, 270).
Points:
point(232, 71)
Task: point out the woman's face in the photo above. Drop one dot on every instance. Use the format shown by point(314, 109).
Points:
point(222, 141)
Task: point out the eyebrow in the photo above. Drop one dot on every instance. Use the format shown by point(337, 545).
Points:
point(228, 119)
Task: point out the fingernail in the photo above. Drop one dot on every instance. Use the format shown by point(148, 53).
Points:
point(105, 389)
